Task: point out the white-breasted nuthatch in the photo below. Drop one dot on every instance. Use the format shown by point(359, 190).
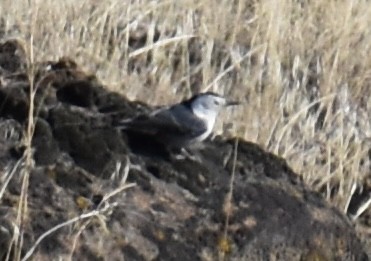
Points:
point(182, 124)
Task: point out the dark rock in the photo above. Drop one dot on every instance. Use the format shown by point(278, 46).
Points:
point(178, 208)
point(12, 56)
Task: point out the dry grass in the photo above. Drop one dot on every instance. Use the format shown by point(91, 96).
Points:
point(302, 68)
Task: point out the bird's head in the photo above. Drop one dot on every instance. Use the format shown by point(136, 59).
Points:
point(207, 105)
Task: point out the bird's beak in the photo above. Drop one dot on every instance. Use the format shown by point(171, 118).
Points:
point(232, 103)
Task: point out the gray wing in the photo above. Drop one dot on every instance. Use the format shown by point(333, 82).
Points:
point(176, 120)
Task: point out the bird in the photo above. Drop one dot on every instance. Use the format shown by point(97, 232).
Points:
point(180, 125)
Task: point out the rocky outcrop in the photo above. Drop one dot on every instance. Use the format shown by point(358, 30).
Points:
point(162, 206)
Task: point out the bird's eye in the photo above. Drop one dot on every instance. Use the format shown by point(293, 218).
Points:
point(216, 102)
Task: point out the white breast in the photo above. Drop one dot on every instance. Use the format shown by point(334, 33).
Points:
point(209, 117)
